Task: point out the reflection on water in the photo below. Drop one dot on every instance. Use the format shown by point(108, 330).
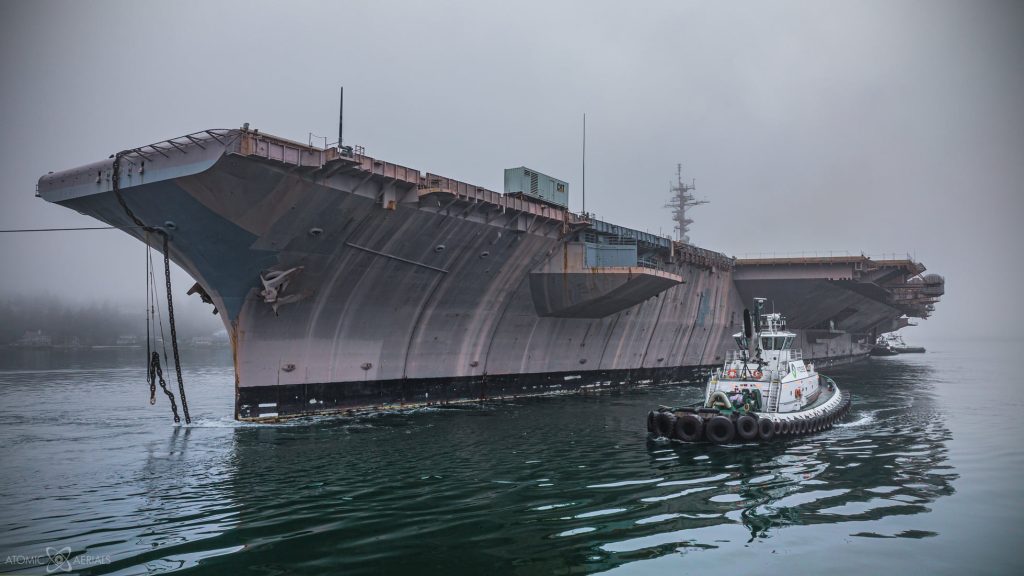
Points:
point(557, 485)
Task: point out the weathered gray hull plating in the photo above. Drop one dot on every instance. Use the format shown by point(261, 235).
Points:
point(404, 288)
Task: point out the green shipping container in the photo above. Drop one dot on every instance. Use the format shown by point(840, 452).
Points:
point(523, 180)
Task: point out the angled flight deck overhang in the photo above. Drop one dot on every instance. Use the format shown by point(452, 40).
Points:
point(839, 294)
point(590, 280)
point(603, 268)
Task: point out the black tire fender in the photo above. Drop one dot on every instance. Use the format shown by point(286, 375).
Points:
point(666, 421)
point(688, 428)
point(719, 429)
point(746, 427)
point(652, 423)
point(765, 429)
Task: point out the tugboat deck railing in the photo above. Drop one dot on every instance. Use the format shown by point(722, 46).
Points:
point(768, 375)
point(740, 355)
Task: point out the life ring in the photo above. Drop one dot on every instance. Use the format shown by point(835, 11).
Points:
point(799, 393)
point(758, 375)
point(731, 373)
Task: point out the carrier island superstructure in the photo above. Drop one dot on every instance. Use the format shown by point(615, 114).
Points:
point(347, 282)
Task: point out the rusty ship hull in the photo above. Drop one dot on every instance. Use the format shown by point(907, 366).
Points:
point(407, 288)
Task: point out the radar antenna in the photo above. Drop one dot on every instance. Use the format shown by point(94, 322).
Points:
point(682, 198)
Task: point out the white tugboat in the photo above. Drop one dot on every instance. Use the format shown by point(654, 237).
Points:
point(883, 347)
point(763, 390)
point(896, 343)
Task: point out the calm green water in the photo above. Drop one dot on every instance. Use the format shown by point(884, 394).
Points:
point(924, 476)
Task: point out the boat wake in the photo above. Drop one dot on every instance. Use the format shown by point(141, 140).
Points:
point(865, 419)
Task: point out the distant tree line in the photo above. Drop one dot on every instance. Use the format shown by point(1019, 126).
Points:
point(92, 324)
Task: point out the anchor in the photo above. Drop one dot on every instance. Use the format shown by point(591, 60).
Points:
point(275, 283)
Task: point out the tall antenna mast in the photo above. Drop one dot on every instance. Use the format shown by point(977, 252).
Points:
point(584, 162)
point(341, 115)
point(681, 199)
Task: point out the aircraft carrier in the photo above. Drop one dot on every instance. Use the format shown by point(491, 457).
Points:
point(347, 282)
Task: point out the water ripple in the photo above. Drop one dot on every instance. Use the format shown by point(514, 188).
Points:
point(556, 485)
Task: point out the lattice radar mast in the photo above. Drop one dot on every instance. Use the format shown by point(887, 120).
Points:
point(682, 199)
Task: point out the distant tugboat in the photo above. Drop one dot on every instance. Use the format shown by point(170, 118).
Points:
point(763, 391)
point(895, 341)
point(882, 347)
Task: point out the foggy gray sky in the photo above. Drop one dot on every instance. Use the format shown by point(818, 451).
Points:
point(883, 126)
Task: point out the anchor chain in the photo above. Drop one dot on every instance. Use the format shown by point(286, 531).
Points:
point(157, 373)
point(174, 331)
point(154, 360)
point(149, 313)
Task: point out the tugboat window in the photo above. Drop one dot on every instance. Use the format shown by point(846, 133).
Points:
point(766, 343)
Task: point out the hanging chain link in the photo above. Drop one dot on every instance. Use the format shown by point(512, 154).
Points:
point(149, 314)
point(155, 371)
point(174, 330)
